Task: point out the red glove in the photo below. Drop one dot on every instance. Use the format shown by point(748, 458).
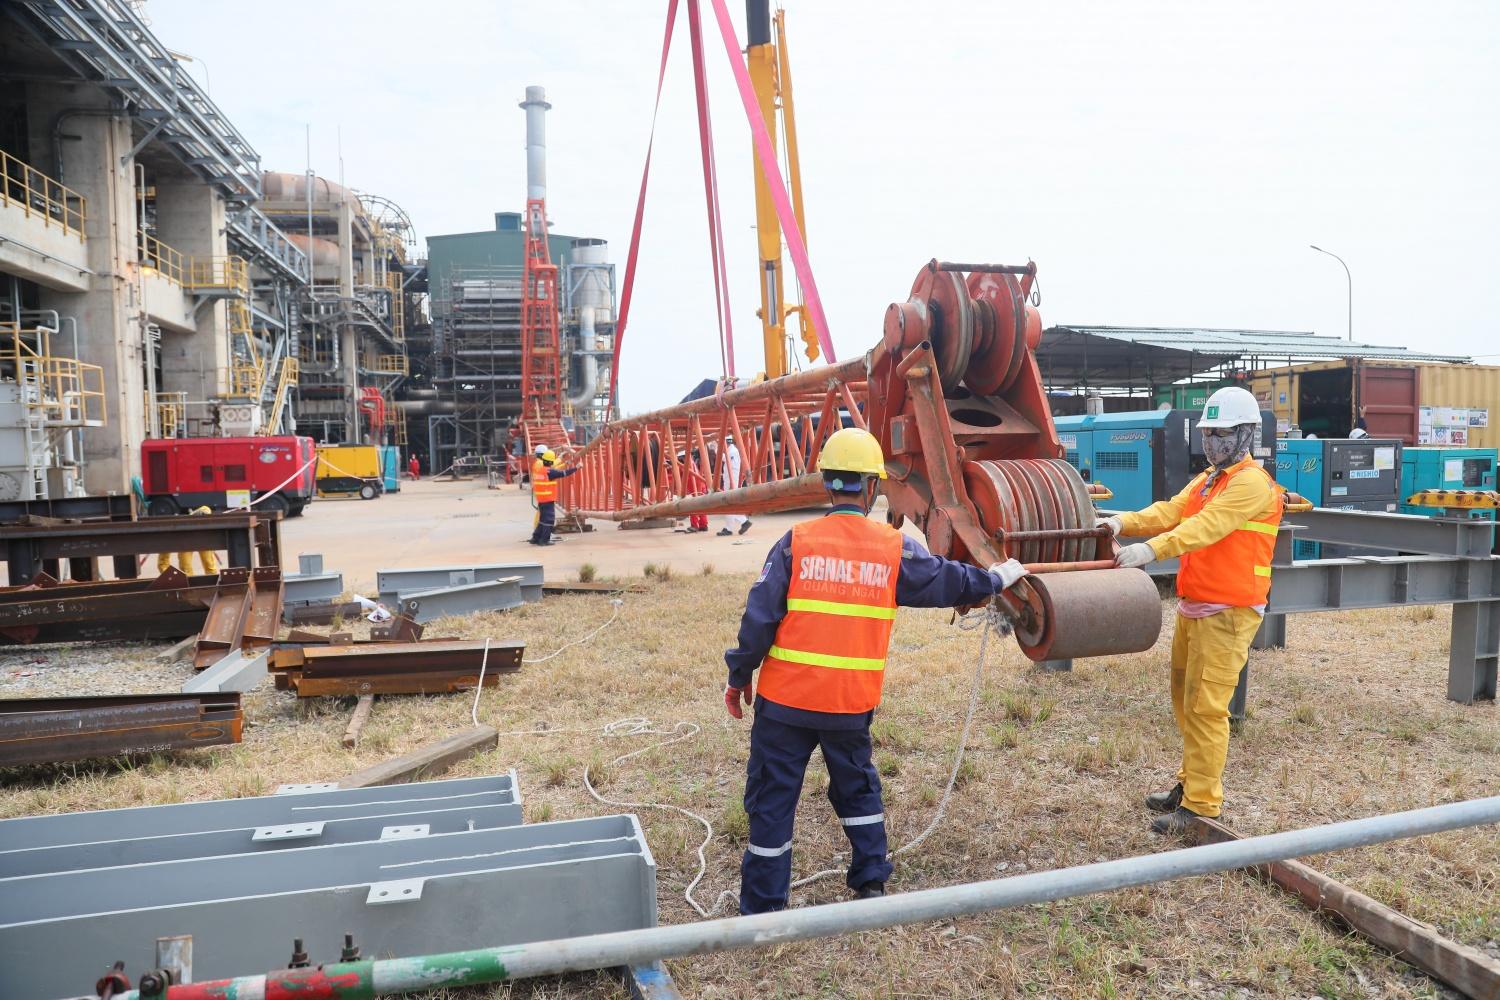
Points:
point(732, 696)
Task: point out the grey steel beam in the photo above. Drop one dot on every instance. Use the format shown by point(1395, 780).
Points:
point(1404, 532)
point(237, 671)
point(392, 583)
point(318, 804)
point(490, 595)
point(398, 896)
point(372, 822)
point(314, 588)
point(1381, 582)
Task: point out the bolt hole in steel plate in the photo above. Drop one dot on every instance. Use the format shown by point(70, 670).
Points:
point(997, 354)
point(950, 322)
point(975, 417)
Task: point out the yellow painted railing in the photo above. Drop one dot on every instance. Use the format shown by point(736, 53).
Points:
point(167, 261)
point(284, 385)
point(398, 313)
point(393, 364)
point(69, 393)
point(230, 274)
point(171, 413)
point(40, 195)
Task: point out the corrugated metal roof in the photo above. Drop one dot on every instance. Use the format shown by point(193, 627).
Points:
point(1267, 344)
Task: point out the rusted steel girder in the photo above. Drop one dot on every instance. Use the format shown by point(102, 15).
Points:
point(954, 395)
point(46, 730)
point(431, 667)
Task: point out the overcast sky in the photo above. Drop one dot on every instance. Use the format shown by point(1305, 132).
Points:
point(1164, 164)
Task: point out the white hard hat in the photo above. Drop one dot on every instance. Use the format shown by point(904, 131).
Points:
point(540, 448)
point(1230, 407)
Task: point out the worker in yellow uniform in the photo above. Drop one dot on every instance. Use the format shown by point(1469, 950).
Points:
point(209, 559)
point(1222, 529)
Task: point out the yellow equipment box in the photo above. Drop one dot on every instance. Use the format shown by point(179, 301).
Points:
point(349, 470)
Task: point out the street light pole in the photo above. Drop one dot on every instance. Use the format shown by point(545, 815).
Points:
point(1349, 279)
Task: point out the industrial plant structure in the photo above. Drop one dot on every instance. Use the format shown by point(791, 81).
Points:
point(138, 230)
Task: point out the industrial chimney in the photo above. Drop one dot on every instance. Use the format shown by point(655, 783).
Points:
point(536, 107)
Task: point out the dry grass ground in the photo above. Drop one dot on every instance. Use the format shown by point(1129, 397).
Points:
point(1349, 721)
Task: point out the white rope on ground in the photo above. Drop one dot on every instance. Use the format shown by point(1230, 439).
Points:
point(617, 602)
point(990, 620)
point(479, 688)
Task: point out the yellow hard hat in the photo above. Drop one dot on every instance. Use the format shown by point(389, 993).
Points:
point(549, 455)
point(202, 510)
point(852, 450)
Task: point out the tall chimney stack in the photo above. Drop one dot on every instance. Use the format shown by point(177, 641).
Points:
point(536, 107)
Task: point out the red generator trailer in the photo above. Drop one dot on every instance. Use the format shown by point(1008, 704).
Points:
point(227, 472)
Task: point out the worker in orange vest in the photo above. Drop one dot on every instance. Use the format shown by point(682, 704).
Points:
point(1222, 529)
point(544, 477)
point(817, 623)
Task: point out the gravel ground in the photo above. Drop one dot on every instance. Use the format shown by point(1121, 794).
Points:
point(66, 670)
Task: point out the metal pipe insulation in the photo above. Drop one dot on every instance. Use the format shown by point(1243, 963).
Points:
point(368, 979)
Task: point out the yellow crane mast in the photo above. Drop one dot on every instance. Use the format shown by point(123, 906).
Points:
point(771, 76)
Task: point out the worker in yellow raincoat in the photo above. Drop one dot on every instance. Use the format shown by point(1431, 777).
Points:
point(209, 559)
point(1222, 528)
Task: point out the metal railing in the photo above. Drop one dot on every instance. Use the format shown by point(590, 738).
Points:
point(37, 194)
point(229, 274)
point(69, 392)
point(393, 364)
point(167, 261)
point(171, 413)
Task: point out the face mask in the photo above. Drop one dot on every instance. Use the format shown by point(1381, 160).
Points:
point(1228, 449)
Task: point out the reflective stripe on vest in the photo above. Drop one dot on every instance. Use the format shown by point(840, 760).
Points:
point(1235, 570)
point(829, 650)
point(543, 489)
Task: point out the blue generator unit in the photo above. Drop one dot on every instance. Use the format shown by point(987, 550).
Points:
point(1143, 456)
point(1342, 473)
point(1438, 468)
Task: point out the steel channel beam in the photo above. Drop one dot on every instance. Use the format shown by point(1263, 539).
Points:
point(139, 835)
point(227, 616)
point(25, 547)
point(318, 588)
point(514, 884)
point(111, 507)
point(239, 671)
point(178, 625)
point(489, 595)
point(393, 583)
point(39, 730)
point(1403, 532)
point(46, 609)
point(1381, 582)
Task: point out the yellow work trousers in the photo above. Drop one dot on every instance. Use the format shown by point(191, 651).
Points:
point(1207, 656)
point(209, 560)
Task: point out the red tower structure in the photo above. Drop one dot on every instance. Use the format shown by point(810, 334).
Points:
point(541, 348)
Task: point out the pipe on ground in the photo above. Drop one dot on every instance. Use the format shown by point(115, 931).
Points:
point(368, 979)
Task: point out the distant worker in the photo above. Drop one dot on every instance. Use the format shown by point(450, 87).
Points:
point(414, 468)
point(817, 623)
point(1361, 429)
point(544, 479)
point(696, 486)
point(1222, 528)
point(729, 479)
point(208, 559)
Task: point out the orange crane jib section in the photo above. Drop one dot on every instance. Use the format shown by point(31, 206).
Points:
point(953, 392)
point(541, 348)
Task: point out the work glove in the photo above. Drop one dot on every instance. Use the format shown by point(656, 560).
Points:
point(1114, 524)
point(1007, 573)
point(733, 696)
point(1138, 554)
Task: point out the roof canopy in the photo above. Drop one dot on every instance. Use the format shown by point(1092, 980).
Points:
point(1139, 357)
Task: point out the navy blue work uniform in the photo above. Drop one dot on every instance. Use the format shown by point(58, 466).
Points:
point(782, 738)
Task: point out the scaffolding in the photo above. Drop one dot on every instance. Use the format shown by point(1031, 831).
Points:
point(46, 400)
point(477, 343)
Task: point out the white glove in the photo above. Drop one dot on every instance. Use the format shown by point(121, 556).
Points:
point(1007, 573)
point(1114, 523)
point(1138, 554)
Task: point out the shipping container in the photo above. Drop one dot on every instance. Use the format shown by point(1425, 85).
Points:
point(1413, 402)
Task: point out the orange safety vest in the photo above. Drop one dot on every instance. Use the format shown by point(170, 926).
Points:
point(829, 650)
point(543, 489)
point(1235, 570)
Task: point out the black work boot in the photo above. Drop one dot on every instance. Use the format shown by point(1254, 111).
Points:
point(870, 890)
point(1178, 821)
point(1165, 802)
